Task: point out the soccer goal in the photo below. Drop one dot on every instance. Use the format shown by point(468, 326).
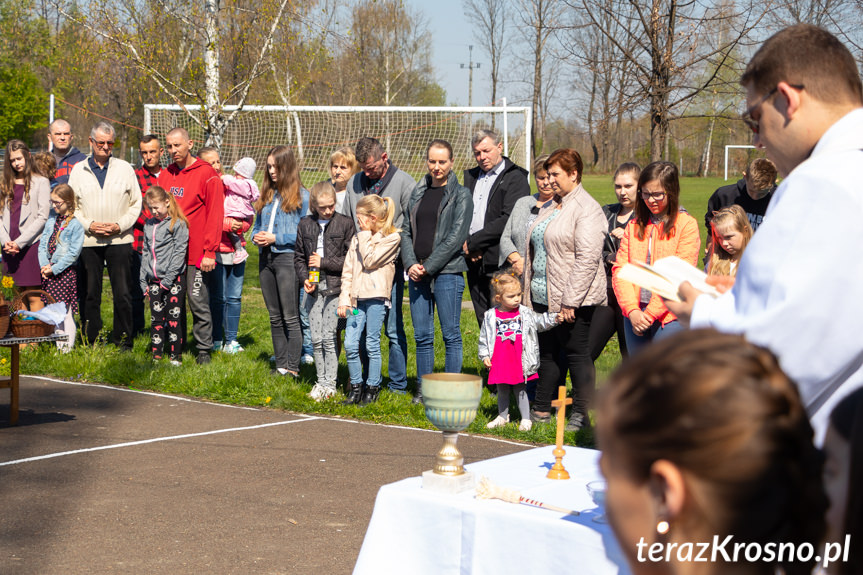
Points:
point(316, 131)
point(731, 148)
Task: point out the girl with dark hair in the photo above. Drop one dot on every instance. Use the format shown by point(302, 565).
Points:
point(660, 228)
point(282, 203)
point(703, 437)
point(25, 201)
point(843, 479)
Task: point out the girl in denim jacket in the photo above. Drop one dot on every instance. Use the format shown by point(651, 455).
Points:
point(59, 248)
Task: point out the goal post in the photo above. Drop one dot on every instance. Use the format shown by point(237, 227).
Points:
point(315, 132)
point(734, 147)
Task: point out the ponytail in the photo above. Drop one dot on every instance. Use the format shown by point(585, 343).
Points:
point(387, 227)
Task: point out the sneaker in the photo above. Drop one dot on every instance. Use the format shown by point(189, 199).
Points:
point(327, 392)
point(536, 418)
point(307, 360)
point(203, 357)
point(576, 422)
point(176, 362)
point(525, 425)
point(317, 392)
point(217, 346)
point(233, 347)
point(240, 255)
point(498, 421)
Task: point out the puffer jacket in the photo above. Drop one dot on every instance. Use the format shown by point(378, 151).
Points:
point(337, 242)
point(369, 267)
point(164, 255)
point(453, 224)
point(531, 324)
point(573, 245)
point(685, 243)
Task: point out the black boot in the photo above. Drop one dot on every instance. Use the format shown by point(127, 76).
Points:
point(354, 395)
point(418, 395)
point(370, 395)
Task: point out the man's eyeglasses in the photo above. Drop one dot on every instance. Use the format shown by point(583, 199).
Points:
point(748, 117)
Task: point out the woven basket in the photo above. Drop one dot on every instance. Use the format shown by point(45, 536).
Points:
point(32, 327)
point(5, 320)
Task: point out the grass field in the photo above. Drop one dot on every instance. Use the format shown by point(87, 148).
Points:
point(245, 378)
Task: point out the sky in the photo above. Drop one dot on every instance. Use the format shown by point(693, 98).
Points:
point(451, 36)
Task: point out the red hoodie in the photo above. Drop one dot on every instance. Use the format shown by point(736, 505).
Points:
point(199, 192)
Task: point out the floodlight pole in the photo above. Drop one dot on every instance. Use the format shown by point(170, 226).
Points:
point(470, 66)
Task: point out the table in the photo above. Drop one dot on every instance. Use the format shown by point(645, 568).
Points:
point(417, 531)
point(11, 382)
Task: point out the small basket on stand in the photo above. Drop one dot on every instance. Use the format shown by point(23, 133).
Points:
point(30, 327)
point(5, 320)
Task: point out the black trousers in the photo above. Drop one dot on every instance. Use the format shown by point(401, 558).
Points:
point(118, 259)
point(573, 339)
point(607, 319)
point(479, 285)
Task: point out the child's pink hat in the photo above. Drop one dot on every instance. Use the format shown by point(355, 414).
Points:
point(245, 167)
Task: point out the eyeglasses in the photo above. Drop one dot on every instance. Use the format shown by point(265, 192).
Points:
point(57, 204)
point(105, 144)
point(748, 117)
point(655, 196)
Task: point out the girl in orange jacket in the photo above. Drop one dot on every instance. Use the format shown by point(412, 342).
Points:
point(659, 229)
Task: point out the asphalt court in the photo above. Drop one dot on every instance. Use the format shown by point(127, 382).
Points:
point(97, 479)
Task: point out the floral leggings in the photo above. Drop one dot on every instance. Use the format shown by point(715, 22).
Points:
point(166, 325)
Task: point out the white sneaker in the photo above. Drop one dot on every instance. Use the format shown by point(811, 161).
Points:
point(498, 421)
point(328, 392)
point(317, 392)
point(175, 362)
point(307, 360)
point(525, 425)
point(233, 347)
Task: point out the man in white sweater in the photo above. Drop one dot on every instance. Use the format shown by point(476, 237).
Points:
point(109, 203)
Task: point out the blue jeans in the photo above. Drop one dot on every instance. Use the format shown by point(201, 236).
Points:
point(445, 293)
point(308, 349)
point(396, 335)
point(226, 301)
point(370, 315)
point(656, 332)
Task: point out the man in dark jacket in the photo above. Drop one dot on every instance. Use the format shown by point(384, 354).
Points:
point(65, 154)
point(496, 184)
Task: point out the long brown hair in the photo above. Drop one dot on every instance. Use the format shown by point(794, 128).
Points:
point(175, 212)
point(287, 183)
point(7, 188)
point(666, 174)
point(723, 412)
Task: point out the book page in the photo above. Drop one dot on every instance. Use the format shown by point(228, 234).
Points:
point(665, 276)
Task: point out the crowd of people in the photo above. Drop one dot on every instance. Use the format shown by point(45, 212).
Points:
point(705, 432)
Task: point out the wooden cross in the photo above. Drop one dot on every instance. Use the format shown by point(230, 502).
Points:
point(557, 470)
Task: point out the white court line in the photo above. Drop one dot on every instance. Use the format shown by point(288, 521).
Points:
point(153, 440)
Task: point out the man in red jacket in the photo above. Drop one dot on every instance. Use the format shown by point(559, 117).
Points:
point(198, 190)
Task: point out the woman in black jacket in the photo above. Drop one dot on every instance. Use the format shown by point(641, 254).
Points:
point(439, 214)
point(323, 239)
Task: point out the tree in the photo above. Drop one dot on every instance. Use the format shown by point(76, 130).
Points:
point(23, 103)
point(391, 58)
point(667, 43)
point(178, 45)
point(489, 23)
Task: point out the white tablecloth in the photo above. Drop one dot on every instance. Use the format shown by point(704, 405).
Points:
point(416, 531)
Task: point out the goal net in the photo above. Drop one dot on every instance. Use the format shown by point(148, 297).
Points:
point(316, 131)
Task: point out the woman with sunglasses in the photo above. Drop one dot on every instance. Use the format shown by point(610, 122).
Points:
point(660, 228)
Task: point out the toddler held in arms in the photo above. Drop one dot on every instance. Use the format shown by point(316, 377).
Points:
point(241, 192)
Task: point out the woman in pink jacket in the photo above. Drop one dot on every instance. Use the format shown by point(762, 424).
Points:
point(661, 228)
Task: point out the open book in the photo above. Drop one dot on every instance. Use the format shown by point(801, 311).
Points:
point(664, 277)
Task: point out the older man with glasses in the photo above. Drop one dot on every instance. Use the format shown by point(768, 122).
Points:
point(109, 203)
point(796, 291)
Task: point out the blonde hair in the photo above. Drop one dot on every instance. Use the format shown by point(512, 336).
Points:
point(345, 154)
point(67, 194)
point(175, 212)
point(383, 209)
point(321, 189)
point(732, 217)
point(502, 282)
